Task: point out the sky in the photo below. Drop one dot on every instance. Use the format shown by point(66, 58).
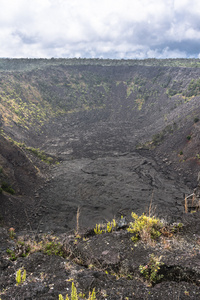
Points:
point(115, 29)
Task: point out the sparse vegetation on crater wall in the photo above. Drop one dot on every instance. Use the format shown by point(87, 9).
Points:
point(90, 115)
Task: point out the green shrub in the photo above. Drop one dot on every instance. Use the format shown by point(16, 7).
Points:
point(7, 188)
point(172, 92)
point(158, 138)
point(12, 254)
point(41, 155)
point(196, 119)
point(198, 156)
point(189, 137)
point(53, 248)
point(150, 271)
point(144, 227)
point(193, 88)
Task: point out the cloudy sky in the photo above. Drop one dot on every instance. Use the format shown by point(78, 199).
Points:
point(100, 28)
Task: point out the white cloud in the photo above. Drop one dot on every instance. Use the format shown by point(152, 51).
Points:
point(99, 28)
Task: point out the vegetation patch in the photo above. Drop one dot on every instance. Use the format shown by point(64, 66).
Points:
point(140, 103)
point(109, 227)
point(193, 88)
point(7, 188)
point(151, 270)
point(48, 245)
point(76, 296)
point(158, 138)
point(171, 92)
point(20, 277)
point(41, 155)
point(52, 248)
point(145, 227)
point(35, 151)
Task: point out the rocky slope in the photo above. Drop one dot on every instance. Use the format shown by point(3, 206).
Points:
point(103, 138)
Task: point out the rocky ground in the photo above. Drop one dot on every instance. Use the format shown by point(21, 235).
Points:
point(108, 262)
point(133, 148)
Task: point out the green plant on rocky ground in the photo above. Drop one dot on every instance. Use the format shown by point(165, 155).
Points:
point(12, 255)
point(151, 270)
point(109, 227)
point(20, 278)
point(7, 188)
point(35, 151)
point(75, 296)
point(92, 296)
point(189, 137)
point(145, 227)
point(48, 245)
point(40, 154)
point(53, 248)
point(97, 229)
point(12, 233)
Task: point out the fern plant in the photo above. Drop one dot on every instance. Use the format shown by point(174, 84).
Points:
point(92, 296)
point(20, 278)
point(74, 295)
point(98, 229)
point(109, 226)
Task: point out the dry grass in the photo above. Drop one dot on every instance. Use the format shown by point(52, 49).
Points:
point(77, 221)
point(145, 236)
point(152, 208)
point(186, 205)
point(166, 243)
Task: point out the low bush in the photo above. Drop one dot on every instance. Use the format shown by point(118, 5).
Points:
point(48, 245)
point(12, 255)
point(151, 270)
point(7, 188)
point(52, 248)
point(145, 227)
